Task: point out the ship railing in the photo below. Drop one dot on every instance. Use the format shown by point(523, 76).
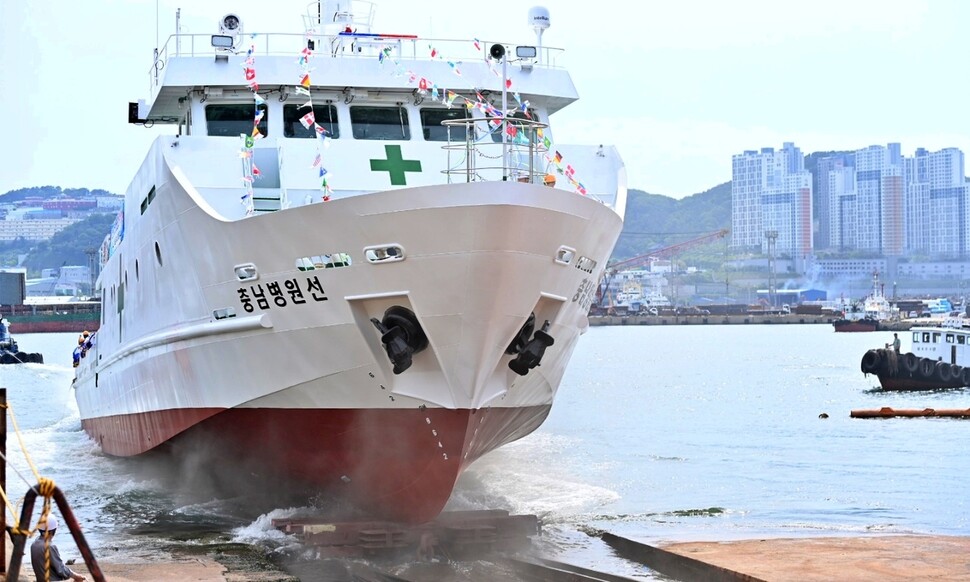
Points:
point(356, 45)
point(520, 156)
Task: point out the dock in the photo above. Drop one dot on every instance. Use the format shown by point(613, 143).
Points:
point(886, 558)
point(747, 319)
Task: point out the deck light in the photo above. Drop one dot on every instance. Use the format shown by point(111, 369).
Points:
point(222, 41)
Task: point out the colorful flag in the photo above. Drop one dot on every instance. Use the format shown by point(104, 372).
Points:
point(558, 157)
point(305, 105)
point(305, 81)
point(434, 52)
point(511, 130)
point(259, 100)
point(316, 161)
point(307, 120)
point(434, 93)
point(256, 172)
point(451, 97)
point(423, 84)
point(301, 90)
point(570, 171)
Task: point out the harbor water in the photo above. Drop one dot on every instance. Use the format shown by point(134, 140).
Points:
point(659, 433)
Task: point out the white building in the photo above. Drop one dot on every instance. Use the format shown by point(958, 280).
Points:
point(772, 191)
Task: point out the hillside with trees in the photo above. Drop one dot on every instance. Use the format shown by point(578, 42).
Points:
point(654, 221)
point(67, 247)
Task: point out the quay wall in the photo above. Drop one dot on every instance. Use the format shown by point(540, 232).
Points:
point(749, 319)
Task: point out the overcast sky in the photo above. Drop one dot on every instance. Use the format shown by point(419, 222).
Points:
point(678, 87)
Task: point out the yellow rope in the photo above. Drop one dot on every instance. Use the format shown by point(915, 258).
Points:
point(47, 486)
point(46, 489)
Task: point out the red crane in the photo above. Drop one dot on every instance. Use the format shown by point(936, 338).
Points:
point(661, 253)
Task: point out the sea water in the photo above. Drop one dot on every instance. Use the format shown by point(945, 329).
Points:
point(658, 433)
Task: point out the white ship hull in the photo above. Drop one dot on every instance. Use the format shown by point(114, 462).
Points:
point(309, 384)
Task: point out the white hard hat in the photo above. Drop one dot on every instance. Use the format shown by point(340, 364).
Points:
point(51, 523)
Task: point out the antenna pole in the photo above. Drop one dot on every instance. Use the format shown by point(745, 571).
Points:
point(505, 107)
point(178, 32)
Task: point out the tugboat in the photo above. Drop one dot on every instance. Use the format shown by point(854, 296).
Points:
point(9, 350)
point(939, 358)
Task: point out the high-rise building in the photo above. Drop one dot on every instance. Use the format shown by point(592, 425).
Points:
point(772, 191)
point(936, 203)
point(865, 200)
point(824, 199)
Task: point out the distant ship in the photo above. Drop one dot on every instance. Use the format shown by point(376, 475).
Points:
point(358, 282)
point(53, 315)
point(875, 308)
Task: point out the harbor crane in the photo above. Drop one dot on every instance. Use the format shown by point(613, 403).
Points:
point(612, 269)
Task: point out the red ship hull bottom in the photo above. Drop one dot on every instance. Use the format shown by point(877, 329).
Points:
point(398, 465)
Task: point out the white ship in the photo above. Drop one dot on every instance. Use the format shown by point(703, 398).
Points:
point(359, 261)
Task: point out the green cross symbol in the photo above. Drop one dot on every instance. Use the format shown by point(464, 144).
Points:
point(395, 165)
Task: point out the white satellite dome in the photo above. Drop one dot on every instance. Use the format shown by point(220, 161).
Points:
point(539, 18)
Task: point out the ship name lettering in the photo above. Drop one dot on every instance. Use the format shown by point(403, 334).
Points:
point(584, 293)
point(255, 296)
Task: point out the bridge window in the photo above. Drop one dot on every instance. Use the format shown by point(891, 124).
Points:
point(431, 119)
point(936, 337)
point(232, 119)
point(323, 115)
point(961, 339)
point(949, 338)
point(383, 123)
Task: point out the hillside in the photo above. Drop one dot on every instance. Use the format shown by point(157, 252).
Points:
point(69, 246)
point(654, 221)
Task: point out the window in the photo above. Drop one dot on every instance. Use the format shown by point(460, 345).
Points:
point(949, 338)
point(232, 119)
point(324, 115)
point(961, 339)
point(384, 123)
point(431, 119)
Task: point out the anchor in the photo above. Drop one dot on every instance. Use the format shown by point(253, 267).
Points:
point(531, 353)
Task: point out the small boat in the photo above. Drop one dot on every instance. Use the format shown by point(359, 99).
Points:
point(864, 324)
point(9, 350)
point(939, 358)
point(874, 309)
